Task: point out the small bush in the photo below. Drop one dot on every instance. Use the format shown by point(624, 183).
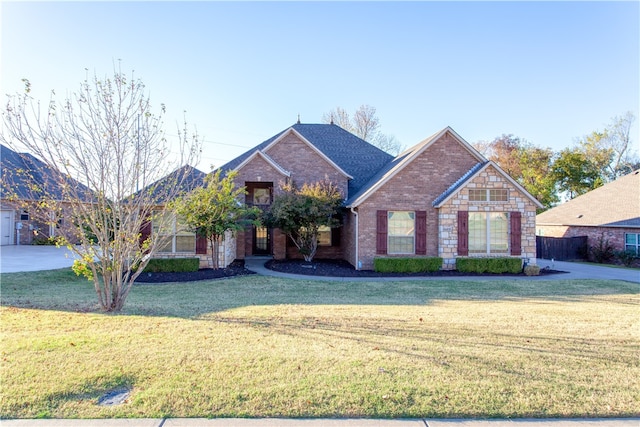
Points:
point(172, 265)
point(489, 265)
point(626, 257)
point(407, 265)
point(44, 241)
point(603, 251)
point(532, 270)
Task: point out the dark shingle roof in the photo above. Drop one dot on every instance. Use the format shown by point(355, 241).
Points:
point(615, 204)
point(353, 155)
point(28, 178)
point(188, 177)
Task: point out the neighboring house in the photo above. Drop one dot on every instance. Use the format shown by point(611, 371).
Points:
point(438, 198)
point(24, 180)
point(610, 212)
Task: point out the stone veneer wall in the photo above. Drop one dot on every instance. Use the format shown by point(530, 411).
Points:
point(448, 215)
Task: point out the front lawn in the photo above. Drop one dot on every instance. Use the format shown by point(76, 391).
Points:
point(265, 347)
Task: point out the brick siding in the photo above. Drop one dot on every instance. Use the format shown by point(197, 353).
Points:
point(615, 235)
point(414, 188)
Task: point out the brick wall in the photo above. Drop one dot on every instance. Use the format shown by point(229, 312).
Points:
point(489, 178)
point(414, 188)
point(304, 163)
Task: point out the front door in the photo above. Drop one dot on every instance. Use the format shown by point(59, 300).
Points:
point(261, 241)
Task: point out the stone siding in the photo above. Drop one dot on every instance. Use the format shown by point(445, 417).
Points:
point(489, 178)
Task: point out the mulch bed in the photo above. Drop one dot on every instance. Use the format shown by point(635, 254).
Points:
point(319, 267)
point(341, 268)
point(236, 268)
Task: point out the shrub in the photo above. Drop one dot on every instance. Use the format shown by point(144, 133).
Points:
point(44, 241)
point(172, 265)
point(489, 265)
point(603, 251)
point(626, 257)
point(407, 265)
point(532, 270)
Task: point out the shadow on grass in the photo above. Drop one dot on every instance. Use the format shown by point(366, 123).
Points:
point(62, 290)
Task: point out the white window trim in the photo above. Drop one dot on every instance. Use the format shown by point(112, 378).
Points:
point(487, 250)
point(389, 235)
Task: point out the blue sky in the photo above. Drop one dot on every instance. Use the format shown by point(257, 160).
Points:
point(548, 72)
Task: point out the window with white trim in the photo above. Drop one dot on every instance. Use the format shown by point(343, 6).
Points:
point(488, 232)
point(488, 195)
point(632, 242)
point(401, 227)
point(177, 239)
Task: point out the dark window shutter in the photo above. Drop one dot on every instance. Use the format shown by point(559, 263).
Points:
point(201, 244)
point(381, 233)
point(421, 232)
point(463, 233)
point(516, 233)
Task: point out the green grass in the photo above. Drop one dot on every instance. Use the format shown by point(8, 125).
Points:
point(265, 347)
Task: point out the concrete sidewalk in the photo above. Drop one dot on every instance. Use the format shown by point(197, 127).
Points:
point(327, 422)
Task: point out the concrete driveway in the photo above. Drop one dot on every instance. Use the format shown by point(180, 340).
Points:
point(34, 258)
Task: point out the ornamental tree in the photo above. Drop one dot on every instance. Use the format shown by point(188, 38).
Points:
point(89, 155)
point(214, 209)
point(299, 213)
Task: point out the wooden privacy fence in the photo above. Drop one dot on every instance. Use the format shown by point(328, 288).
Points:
point(561, 248)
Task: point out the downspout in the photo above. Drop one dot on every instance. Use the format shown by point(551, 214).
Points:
point(358, 263)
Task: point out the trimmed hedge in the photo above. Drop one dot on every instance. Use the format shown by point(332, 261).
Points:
point(172, 265)
point(407, 265)
point(489, 265)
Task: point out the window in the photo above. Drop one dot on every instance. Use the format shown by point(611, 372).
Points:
point(261, 196)
point(491, 195)
point(177, 239)
point(24, 216)
point(401, 232)
point(324, 236)
point(488, 232)
point(632, 242)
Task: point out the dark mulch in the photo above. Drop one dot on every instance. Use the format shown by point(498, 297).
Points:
point(341, 268)
point(236, 268)
point(320, 267)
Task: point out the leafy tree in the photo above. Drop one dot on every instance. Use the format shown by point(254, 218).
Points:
point(364, 124)
point(97, 148)
point(528, 164)
point(299, 213)
point(214, 209)
point(576, 174)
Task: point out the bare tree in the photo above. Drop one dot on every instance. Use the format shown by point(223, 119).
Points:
point(612, 150)
point(364, 124)
point(99, 147)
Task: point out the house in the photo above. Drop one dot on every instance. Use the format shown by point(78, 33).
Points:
point(24, 180)
point(440, 198)
point(610, 212)
point(182, 242)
